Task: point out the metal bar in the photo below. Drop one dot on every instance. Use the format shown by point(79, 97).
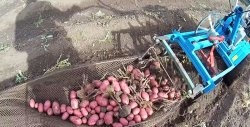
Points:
point(179, 65)
point(202, 44)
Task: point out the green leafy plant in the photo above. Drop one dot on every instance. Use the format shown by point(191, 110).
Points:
point(20, 77)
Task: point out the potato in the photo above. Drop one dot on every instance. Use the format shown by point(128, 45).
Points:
point(88, 109)
point(108, 118)
point(100, 122)
point(72, 94)
point(145, 95)
point(149, 111)
point(97, 83)
point(147, 73)
point(178, 94)
point(74, 103)
point(117, 125)
point(136, 111)
point(152, 77)
point(137, 74)
point(123, 121)
point(166, 88)
point(84, 112)
point(111, 78)
point(93, 119)
point(63, 108)
point(164, 82)
point(104, 85)
point(137, 118)
point(115, 109)
point(143, 114)
point(102, 101)
point(65, 115)
point(98, 109)
point(69, 110)
point(125, 99)
point(84, 120)
point(124, 87)
point(156, 64)
point(32, 103)
point(75, 120)
point(92, 111)
point(49, 111)
point(78, 113)
point(84, 103)
point(116, 86)
point(109, 108)
point(133, 104)
point(130, 68)
point(101, 115)
point(36, 105)
point(93, 104)
point(163, 95)
point(130, 117)
point(171, 95)
point(154, 83)
point(40, 107)
point(112, 103)
point(131, 123)
point(155, 90)
point(153, 96)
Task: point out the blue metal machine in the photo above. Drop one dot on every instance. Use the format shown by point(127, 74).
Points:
point(227, 36)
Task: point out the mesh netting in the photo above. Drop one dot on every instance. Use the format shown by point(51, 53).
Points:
point(14, 108)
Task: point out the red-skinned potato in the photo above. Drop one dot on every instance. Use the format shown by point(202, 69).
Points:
point(149, 111)
point(124, 87)
point(123, 121)
point(154, 83)
point(130, 68)
point(36, 105)
point(84, 120)
point(74, 103)
point(108, 118)
point(147, 73)
point(145, 95)
point(178, 94)
point(65, 115)
point(72, 94)
point(93, 119)
point(88, 109)
point(69, 110)
point(101, 115)
point(125, 99)
point(32, 103)
point(131, 123)
point(104, 85)
point(98, 109)
point(100, 122)
point(164, 82)
point(112, 103)
point(97, 83)
point(50, 112)
point(78, 113)
point(116, 109)
point(116, 86)
point(137, 74)
point(155, 90)
point(133, 104)
point(92, 111)
point(111, 78)
point(109, 108)
point(47, 105)
point(75, 120)
point(171, 95)
point(93, 104)
point(116, 125)
point(56, 108)
point(143, 114)
point(102, 101)
point(84, 103)
point(163, 95)
point(63, 108)
point(137, 118)
point(136, 111)
point(84, 112)
point(40, 107)
point(130, 117)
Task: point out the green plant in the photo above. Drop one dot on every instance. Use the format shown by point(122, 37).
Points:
point(39, 21)
point(59, 65)
point(4, 47)
point(20, 77)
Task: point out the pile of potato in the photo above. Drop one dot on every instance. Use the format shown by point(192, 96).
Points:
point(117, 100)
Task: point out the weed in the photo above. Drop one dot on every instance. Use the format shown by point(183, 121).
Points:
point(45, 39)
point(20, 77)
point(59, 65)
point(108, 38)
point(4, 47)
point(39, 21)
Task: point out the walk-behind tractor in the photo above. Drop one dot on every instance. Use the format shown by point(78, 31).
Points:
point(226, 36)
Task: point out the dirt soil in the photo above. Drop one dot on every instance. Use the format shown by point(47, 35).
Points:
point(36, 33)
